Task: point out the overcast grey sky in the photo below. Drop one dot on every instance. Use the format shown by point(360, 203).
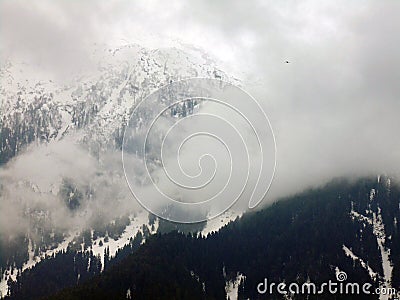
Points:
point(335, 107)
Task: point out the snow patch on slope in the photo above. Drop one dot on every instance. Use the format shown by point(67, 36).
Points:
point(11, 273)
point(379, 231)
point(135, 226)
point(372, 273)
point(232, 287)
point(217, 223)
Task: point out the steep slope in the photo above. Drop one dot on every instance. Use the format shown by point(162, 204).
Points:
point(100, 103)
point(61, 177)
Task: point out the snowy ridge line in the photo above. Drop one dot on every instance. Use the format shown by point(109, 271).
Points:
point(374, 275)
point(214, 225)
point(130, 231)
point(136, 225)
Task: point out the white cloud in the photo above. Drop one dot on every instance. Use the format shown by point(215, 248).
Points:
point(334, 108)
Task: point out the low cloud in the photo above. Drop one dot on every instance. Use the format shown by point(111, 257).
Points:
point(32, 189)
point(334, 107)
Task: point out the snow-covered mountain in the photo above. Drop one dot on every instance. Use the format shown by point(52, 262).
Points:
point(61, 175)
point(99, 103)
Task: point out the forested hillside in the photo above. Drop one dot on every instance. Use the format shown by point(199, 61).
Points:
point(346, 226)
